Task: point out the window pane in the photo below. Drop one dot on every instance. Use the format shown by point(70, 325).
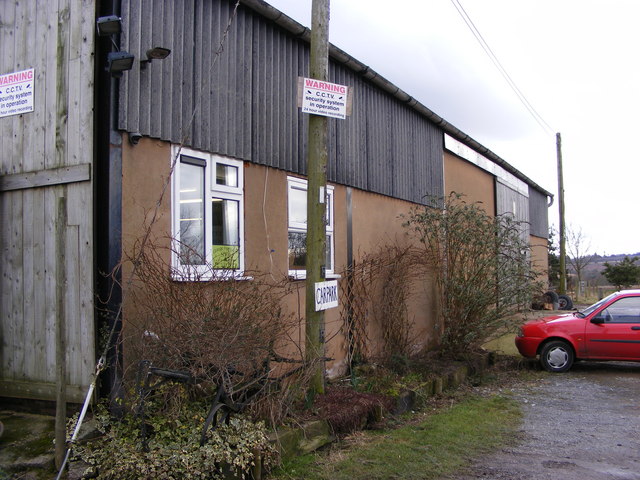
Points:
point(192, 251)
point(226, 175)
point(625, 310)
point(225, 233)
point(297, 250)
point(297, 206)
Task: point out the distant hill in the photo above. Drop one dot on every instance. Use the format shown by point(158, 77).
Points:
point(593, 272)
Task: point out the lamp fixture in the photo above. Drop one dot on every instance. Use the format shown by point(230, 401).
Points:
point(118, 62)
point(109, 25)
point(156, 53)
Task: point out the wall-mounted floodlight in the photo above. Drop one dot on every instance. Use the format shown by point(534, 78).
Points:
point(109, 25)
point(118, 62)
point(157, 53)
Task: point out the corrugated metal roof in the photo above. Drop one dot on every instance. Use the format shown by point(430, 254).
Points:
point(369, 74)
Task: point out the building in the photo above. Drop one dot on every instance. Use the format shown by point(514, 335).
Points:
point(223, 124)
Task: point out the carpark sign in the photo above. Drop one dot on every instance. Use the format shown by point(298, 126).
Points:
point(326, 295)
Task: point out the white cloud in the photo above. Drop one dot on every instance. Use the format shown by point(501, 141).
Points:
point(576, 61)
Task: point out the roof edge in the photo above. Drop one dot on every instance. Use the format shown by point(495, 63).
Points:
point(339, 55)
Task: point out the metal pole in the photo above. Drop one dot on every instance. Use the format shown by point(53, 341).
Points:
point(316, 201)
point(562, 288)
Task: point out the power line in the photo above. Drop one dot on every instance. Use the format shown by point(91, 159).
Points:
point(487, 49)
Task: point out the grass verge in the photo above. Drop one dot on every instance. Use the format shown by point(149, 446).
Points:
point(428, 448)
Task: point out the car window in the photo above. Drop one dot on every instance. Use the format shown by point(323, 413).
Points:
point(625, 310)
point(595, 306)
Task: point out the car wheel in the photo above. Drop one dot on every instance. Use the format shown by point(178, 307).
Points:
point(551, 297)
point(556, 356)
point(565, 302)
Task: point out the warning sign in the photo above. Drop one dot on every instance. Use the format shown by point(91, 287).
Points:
point(324, 98)
point(16, 93)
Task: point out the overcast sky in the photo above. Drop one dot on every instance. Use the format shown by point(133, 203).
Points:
point(577, 62)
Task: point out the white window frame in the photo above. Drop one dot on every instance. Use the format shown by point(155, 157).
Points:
point(211, 190)
point(296, 183)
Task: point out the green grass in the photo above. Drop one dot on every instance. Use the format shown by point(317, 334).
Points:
point(438, 445)
point(504, 345)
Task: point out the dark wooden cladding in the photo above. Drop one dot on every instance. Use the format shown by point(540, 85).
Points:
point(509, 201)
point(242, 103)
point(538, 213)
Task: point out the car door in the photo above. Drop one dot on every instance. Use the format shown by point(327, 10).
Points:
point(614, 331)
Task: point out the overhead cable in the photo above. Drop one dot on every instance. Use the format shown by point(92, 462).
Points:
point(487, 49)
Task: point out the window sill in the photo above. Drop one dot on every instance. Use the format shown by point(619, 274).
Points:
point(302, 275)
point(222, 277)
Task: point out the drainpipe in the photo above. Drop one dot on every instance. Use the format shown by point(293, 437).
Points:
point(108, 211)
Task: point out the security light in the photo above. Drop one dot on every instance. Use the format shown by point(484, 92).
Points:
point(109, 25)
point(118, 62)
point(156, 53)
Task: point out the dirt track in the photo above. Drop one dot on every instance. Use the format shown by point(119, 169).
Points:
point(581, 425)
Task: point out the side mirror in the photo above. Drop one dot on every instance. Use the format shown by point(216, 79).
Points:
point(597, 320)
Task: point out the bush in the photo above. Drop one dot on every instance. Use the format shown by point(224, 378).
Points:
point(174, 451)
point(220, 331)
point(481, 266)
point(378, 288)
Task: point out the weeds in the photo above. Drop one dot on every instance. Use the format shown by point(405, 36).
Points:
point(428, 448)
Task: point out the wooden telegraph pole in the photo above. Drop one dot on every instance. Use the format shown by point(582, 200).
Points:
point(316, 201)
point(562, 288)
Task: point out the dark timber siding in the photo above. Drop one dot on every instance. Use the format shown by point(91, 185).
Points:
point(538, 213)
point(245, 100)
point(513, 202)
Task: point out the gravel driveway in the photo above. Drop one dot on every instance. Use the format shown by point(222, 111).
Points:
point(580, 425)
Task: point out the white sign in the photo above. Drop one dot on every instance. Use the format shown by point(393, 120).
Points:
point(324, 98)
point(16, 93)
point(326, 295)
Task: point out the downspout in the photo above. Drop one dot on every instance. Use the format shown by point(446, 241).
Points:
point(108, 211)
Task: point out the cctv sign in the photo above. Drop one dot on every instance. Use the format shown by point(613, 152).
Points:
point(324, 98)
point(16, 93)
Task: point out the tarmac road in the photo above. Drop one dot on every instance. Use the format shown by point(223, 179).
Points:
point(580, 425)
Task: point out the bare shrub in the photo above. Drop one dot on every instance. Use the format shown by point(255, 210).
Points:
point(378, 289)
point(221, 330)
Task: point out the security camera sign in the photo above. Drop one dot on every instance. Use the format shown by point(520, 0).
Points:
point(16, 93)
point(324, 98)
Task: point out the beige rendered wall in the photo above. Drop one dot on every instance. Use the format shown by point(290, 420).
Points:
point(376, 222)
point(540, 258)
point(466, 178)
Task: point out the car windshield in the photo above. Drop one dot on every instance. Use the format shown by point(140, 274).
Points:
point(596, 305)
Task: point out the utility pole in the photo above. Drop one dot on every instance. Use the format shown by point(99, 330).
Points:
point(316, 201)
point(562, 288)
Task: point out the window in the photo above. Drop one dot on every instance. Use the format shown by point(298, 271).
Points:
point(297, 215)
point(208, 211)
point(625, 310)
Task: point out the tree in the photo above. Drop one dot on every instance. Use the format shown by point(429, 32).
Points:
point(578, 246)
point(553, 273)
point(481, 265)
point(624, 274)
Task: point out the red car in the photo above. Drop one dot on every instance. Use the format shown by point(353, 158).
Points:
point(607, 330)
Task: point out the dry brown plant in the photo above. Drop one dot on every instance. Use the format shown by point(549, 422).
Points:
point(222, 330)
point(378, 291)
